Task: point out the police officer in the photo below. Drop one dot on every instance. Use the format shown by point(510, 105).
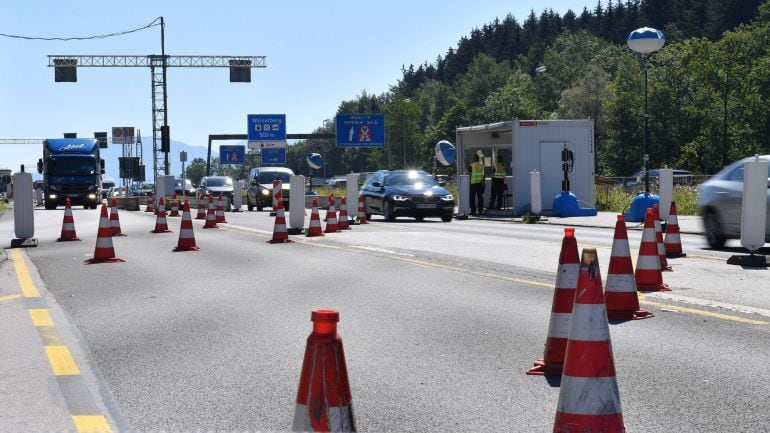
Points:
point(477, 185)
point(498, 184)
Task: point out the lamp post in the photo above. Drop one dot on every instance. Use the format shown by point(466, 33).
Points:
point(403, 127)
point(539, 70)
point(646, 41)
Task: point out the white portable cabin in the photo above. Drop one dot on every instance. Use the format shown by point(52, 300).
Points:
point(537, 145)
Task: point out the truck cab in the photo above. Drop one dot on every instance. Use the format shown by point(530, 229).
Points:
point(71, 168)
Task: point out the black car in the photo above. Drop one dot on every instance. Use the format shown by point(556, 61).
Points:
point(189, 190)
point(409, 193)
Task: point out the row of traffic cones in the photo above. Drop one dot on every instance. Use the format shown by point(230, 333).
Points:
point(333, 225)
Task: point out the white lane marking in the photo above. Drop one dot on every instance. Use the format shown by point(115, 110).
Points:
point(706, 303)
point(382, 250)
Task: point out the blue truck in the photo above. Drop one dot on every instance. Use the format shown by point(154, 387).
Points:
point(71, 168)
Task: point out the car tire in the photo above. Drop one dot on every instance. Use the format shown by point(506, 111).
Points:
point(419, 219)
point(446, 218)
point(259, 208)
point(50, 206)
point(713, 228)
point(368, 216)
point(387, 213)
point(249, 206)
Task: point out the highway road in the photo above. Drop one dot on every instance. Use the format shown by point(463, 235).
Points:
point(439, 323)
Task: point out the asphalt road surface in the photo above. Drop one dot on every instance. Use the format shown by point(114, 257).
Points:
point(439, 323)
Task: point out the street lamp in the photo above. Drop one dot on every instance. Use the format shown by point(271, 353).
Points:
point(539, 70)
point(644, 41)
point(403, 127)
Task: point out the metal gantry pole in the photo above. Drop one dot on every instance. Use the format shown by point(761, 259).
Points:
point(165, 93)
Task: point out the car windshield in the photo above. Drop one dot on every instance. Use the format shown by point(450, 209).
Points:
point(219, 181)
point(269, 176)
point(410, 178)
point(188, 183)
point(71, 166)
point(147, 186)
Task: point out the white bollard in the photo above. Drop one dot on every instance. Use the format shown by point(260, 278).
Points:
point(23, 210)
point(351, 181)
point(296, 204)
point(665, 192)
point(237, 197)
point(754, 206)
point(535, 193)
point(464, 191)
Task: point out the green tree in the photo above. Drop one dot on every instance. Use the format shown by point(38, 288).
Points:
point(195, 170)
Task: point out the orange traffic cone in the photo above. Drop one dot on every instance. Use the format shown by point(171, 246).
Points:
point(211, 219)
point(331, 217)
point(659, 239)
point(648, 275)
point(220, 210)
point(201, 210)
point(150, 206)
point(280, 235)
point(343, 223)
point(361, 217)
point(186, 236)
point(589, 400)
point(174, 208)
point(561, 309)
point(673, 243)
point(314, 229)
point(68, 224)
point(114, 219)
point(104, 251)
point(323, 397)
point(620, 297)
point(161, 226)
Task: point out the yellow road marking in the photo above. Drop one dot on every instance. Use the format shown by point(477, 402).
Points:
point(696, 256)
point(61, 361)
point(9, 297)
point(704, 313)
point(40, 317)
point(22, 273)
point(91, 424)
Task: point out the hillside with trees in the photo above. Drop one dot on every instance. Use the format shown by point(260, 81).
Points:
point(708, 87)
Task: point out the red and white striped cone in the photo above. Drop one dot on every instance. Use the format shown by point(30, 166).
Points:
point(161, 225)
point(343, 222)
point(314, 229)
point(186, 235)
point(150, 205)
point(201, 210)
point(331, 217)
point(174, 208)
point(561, 310)
point(221, 211)
point(589, 400)
point(68, 224)
point(648, 275)
point(280, 235)
point(104, 251)
point(673, 242)
point(621, 298)
point(361, 217)
point(324, 402)
point(114, 219)
point(211, 219)
point(659, 240)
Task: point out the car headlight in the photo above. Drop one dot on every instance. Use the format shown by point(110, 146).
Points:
point(92, 196)
point(265, 192)
point(448, 197)
point(52, 196)
point(398, 197)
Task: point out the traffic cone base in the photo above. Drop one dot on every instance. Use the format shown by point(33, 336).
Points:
point(552, 362)
point(104, 251)
point(68, 225)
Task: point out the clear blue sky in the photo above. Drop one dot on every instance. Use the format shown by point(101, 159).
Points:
point(319, 53)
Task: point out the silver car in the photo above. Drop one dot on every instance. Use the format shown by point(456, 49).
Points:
point(719, 202)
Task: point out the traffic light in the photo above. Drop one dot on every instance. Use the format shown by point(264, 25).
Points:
point(101, 138)
point(65, 70)
point(70, 135)
point(165, 139)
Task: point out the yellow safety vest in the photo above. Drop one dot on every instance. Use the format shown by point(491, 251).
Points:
point(499, 171)
point(477, 172)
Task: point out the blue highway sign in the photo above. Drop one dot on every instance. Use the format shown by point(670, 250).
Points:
point(232, 154)
point(360, 130)
point(266, 127)
point(275, 155)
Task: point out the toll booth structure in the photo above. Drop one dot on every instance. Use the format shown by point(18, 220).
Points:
point(534, 145)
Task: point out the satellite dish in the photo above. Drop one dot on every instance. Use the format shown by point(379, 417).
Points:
point(445, 152)
point(315, 161)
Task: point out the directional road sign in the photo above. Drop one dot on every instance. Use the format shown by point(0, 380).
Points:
point(232, 154)
point(273, 156)
point(266, 127)
point(362, 130)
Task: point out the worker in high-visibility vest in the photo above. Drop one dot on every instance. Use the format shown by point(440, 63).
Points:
point(477, 185)
point(498, 184)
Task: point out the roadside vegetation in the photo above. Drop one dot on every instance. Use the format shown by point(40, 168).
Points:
point(617, 199)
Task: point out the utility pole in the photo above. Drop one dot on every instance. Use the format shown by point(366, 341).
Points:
point(240, 66)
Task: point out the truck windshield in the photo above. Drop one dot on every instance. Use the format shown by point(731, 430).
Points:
point(73, 166)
